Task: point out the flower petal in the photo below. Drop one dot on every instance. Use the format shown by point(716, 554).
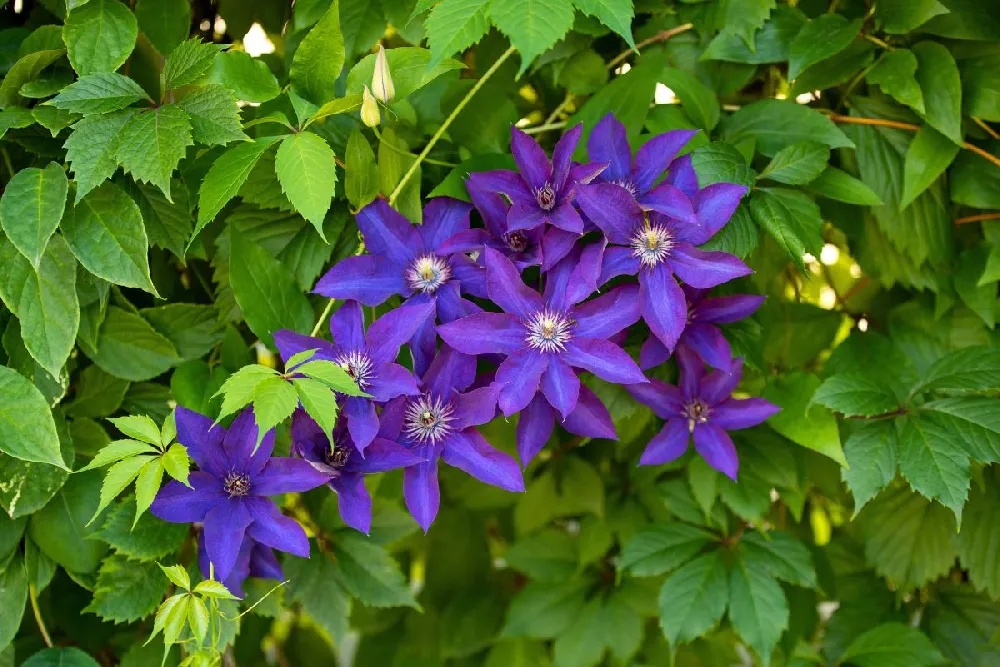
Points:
point(484, 333)
point(531, 160)
point(717, 448)
point(671, 202)
point(667, 445)
point(705, 268)
point(604, 359)
point(584, 174)
point(177, 503)
point(353, 501)
point(556, 244)
point(590, 418)
point(560, 386)
point(492, 208)
point(534, 426)
point(734, 413)
point(203, 439)
point(290, 343)
point(469, 275)
point(608, 143)
point(665, 400)
point(264, 564)
point(519, 376)
point(653, 353)
point(690, 371)
point(612, 208)
point(719, 384)
point(421, 492)
point(525, 215)
point(443, 218)
point(392, 380)
point(709, 343)
point(450, 371)
point(366, 279)
point(286, 475)
point(347, 326)
point(506, 289)
point(272, 528)
point(383, 455)
point(390, 422)
point(225, 526)
point(566, 218)
point(715, 204)
point(241, 568)
point(682, 176)
point(562, 155)
point(470, 240)
point(240, 441)
point(662, 304)
point(388, 233)
point(656, 155)
point(618, 261)
point(583, 279)
point(362, 422)
point(502, 181)
point(608, 314)
point(475, 407)
point(726, 309)
point(468, 450)
point(388, 333)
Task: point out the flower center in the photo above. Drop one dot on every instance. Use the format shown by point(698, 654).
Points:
point(357, 364)
point(627, 184)
point(546, 197)
point(236, 484)
point(428, 419)
point(548, 331)
point(696, 412)
point(427, 273)
point(516, 241)
point(651, 244)
point(337, 458)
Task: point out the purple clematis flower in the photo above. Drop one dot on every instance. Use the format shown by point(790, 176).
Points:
point(347, 466)
point(700, 333)
point(590, 419)
point(543, 190)
point(367, 356)
point(439, 425)
point(254, 560)
point(657, 246)
point(545, 338)
point(412, 261)
point(524, 248)
point(229, 493)
point(608, 144)
point(701, 407)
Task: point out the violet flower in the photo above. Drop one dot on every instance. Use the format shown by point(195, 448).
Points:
point(701, 407)
point(254, 560)
point(700, 333)
point(368, 356)
point(544, 339)
point(656, 246)
point(589, 419)
point(439, 425)
point(347, 466)
point(229, 493)
point(543, 191)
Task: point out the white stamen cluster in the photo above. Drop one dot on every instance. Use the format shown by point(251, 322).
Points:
point(696, 412)
point(548, 331)
point(428, 419)
point(651, 244)
point(546, 197)
point(428, 273)
point(627, 184)
point(359, 366)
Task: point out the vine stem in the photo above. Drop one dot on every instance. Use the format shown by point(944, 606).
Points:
point(33, 596)
point(658, 37)
point(977, 218)
point(538, 129)
point(989, 130)
point(322, 318)
point(447, 123)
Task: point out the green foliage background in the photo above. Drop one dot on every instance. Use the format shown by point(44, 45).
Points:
point(169, 201)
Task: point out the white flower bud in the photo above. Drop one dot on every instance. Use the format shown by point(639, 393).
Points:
point(382, 80)
point(369, 109)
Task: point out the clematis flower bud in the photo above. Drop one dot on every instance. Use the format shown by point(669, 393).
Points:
point(382, 80)
point(369, 109)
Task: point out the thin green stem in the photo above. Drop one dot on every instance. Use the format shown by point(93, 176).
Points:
point(447, 123)
point(538, 129)
point(559, 109)
point(33, 596)
point(322, 318)
point(396, 149)
point(876, 40)
point(6, 161)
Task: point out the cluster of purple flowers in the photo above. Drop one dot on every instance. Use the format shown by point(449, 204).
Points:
point(577, 231)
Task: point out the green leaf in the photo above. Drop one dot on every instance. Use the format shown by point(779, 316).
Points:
point(60, 657)
point(743, 18)
point(919, 548)
point(934, 461)
point(550, 555)
point(314, 583)
point(820, 38)
point(44, 301)
point(178, 576)
point(24, 71)
point(198, 619)
point(582, 645)
point(928, 156)
point(411, 68)
point(331, 375)
point(771, 43)
point(853, 394)
point(758, 609)
point(265, 291)
point(149, 539)
point(774, 124)
point(941, 86)
point(319, 58)
point(118, 477)
point(721, 163)
point(54, 120)
point(893, 645)
point(139, 427)
point(532, 26)
point(274, 401)
point(60, 528)
point(192, 328)
point(153, 143)
point(97, 394)
point(146, 485)
point(661, 548)
point(361, 181)
point(214, 589)
point(798, 163)
point(693, 598)
point(250, 78)
point(802, 421)
point(99, 36)
point(972, 368)
point(307, 170)
point(895, 73)
point(126, 591)
point(871, 453)
point(584, 74)
point(239, 388)
point(781, 555)
point(168, 224)
point(470, 622)
point(452, 27)
point(225, 178)
point(187, 63)
point(16, 118)
point(544, 610)
point(791, 218)
point(335, 107)
point(616, 14)
point(177, 463)
point(171, 617)
point(165, 22)
point(14, 593)
point(838, 185)
point(902, 16)
point(129, 347)
point(319, 402)
point(974, 421)
point(698, 100)
point(107, 235)
point(214, 115)
point(979, 538)
point(99, 93)
point(370, 574)
point(92, 149)
point(31, 207)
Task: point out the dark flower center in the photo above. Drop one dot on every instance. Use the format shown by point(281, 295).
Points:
point(548, 330)
point(338, 457)
point(359, 366)
point(428, 273)
point(696, 412)
point(516, 241)
point(651, 244)
point(546, 197)
point(236, 484)
point(428, 419)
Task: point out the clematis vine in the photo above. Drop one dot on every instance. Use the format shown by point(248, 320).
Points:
point(254, 560)
point(700, 408)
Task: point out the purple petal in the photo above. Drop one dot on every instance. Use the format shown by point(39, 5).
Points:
point(506, 289)
point(383, 455)
point(612, 208)
point(716, 203)
point(285, 475)
point(272, 528)
point(450, 371)
point(367, 279)
point(475, 407)
point(353, 501)
point(443, 218)
point(566, 218)
point(388, 333)
point(604, 359)
point(468, 274)
point(264, 564)
point(583, 280)
point(705, 268)
point(390, 422)
point(690, 371)
point(734, 413)
point(450, 304)
point(709, 343)
point(392, 380)
point(468, 450)
point(362, 422)
point(662, 304)
point(556, 244)
point(716, 447)
point(203, 439)
point(240, 441)
point(534, 426)
point(584, 174)
point(608, 143)
point(671, 202)
point(177, 503)
point(241, 568)
point(470, 240)
point(347, 326)
point(656, 155)
point(388, 233)
point(667, 445)
point(519, 376)
point(590, 418)
point(618, 261)
point(502, 181)
point(290, 343)
point(492, 208)
point(665, 400)
point(560, 386)
point(653, 353)
point(424, 342)
point(531, 160)
point(608, 314)
point(525, 215)
point(719, 384)
point(562, 155)
point(224, 528)
point(726, 309)
point(484, 333)
point(421, 492)
point(682, 176)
